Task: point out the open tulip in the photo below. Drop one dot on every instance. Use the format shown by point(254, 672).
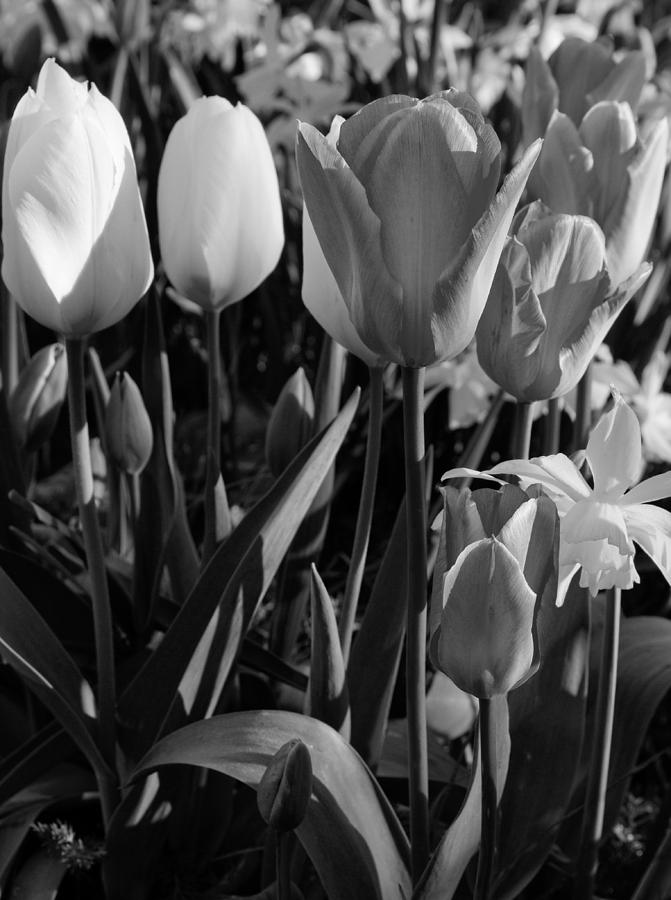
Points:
point(605, 170)
point(407, 214)
point(76, 249)
point(497, 557)
point(578, 75)
point(600, 524)
point(219, 211)
point(550, 306)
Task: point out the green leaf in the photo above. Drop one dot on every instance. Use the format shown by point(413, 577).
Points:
point(461, 840)
point(350, 831)
point(29, 646)
point(235, 580)
point(376, 652)
point(31, 759)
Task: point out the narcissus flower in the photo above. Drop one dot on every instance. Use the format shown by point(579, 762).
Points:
point(497, 557)
point(578, 75)
point(600, 524)
point(219, 211)
point(606, 170)
point(76, 249)
point(550, 306)
point(407, 214)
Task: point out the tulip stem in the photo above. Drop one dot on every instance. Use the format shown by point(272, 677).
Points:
point(217, 514)
point(522, 431)
point(597, 780)
point(489, 824)
point(10, 341)
point(583, 413)
point(552, 427)
point(283, 843)
point(365, 514)
point(418, 770)
point(102, 615)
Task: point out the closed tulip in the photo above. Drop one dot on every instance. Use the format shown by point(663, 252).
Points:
point(550, 306)
point(35, 402)
point(605, 169)
point(128, 428)
point(497, 556)
point(219, 211)
point(578, 75)
point(291, 423)
point(407, 214)
point(76, 249)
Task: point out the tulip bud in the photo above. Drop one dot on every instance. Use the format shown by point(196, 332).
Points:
point(128, 431)
point(550, 306)
point(291, 423)
point(36, 400)
point(408, 217)
point(219, 210)
point(286, 786)
point(76, 248)
point(487, 589)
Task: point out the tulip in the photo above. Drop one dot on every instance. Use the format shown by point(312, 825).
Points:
point(128, 431)
point(36, 400)
point(578, 75)
point(407, 214)
point(605, 170)
point(291, 423)
point(76, 249)
point(219, 211)
point(550, 306)
point(600, 524)
point(497, 557)
point(286, 787)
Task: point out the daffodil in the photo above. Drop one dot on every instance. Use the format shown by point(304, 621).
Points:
point(601, 523)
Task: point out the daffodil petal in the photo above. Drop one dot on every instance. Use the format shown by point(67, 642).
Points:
point(656, 488)
point(614, 451)
point(650, 527)
point(557, 473)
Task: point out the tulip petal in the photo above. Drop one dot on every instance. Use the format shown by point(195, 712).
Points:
point(463, 287)
point(540, 97)
point(609, 132)
point(529, 533)
point(417, 236)
point(321, 295)
point(614, 451)
point(579, 67)
point(656, 488)
point(628, 234)
point(563, 178)
point(650, 527)
point(495, 508)
point(624, 82)
point(485, 643)
point(349, 235)
point(360, 137)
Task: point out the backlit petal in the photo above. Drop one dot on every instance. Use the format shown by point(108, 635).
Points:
point(650, 527)
point(614, 451)
point(656, 488)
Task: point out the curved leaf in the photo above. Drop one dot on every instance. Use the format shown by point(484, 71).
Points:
point(29, 646)
point(235, 580)
point(350, 831)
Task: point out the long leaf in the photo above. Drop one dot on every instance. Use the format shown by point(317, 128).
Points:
point(33, 650)
point(235, 579)
point(350, 831)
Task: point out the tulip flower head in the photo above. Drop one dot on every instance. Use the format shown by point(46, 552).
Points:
point(601, 524)
point(407, 214)
point(76, 249)
point(35, 402)
point(219, 211)
point(606, 170)
point(128, 428)
point(497, 557)
point(578, 75)
point(550, 306)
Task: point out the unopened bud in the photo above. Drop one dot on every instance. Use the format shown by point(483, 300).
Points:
point(291, 423)
point(127, 427)
point(37, 398)
point(285, 789)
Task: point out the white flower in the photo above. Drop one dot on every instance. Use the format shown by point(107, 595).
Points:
point(600, 524)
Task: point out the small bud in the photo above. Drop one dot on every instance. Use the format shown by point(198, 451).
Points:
point(285, 789)
point(127, 427)
point(291, 423)
point(37, 398)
